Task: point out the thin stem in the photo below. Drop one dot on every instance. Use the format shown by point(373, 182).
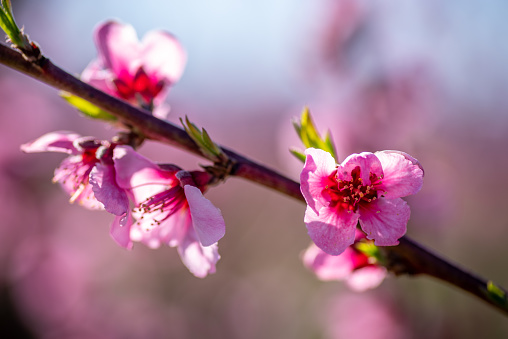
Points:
point(406, 258)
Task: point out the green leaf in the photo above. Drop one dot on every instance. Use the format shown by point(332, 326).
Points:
point(496, 293)
point(299, 155)
point(310, 137)
point(9, 26)
point(369, 249)
point(87, 108)
point(203, 140)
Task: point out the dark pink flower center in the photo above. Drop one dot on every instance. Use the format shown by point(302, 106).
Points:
point(347, 195)
point(130, 86)
point(163, 205)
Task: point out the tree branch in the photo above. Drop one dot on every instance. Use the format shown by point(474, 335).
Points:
point(406, 258)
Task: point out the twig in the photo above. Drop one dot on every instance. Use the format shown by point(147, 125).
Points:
point(406, 258)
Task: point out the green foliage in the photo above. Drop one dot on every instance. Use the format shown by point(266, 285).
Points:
point(310, 137)
point(10, 28)
point(87, 108)
point(496, 294)
point(369, 249)
point(203, 140)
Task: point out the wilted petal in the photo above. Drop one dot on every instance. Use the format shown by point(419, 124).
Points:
point(102, 179)
point(199, 260)
point(163, 56)
point(403, 175)
point(61, 142)
point(120, 230)
point(385, 220)
point(330, 230)
point(117, 45)
point(319, 165)
point(206, 218)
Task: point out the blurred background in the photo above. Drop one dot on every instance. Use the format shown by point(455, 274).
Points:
point(423, 76)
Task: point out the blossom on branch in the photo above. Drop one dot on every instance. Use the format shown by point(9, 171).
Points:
point(359, 271)
point(74, 172)
point(139, 72)
point(365, 188)
point(169, 208)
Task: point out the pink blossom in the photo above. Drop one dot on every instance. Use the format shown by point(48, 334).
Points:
point(365, 188)
point(354, 267)
point(74, 172)
point(139, 72)
point(170, 209)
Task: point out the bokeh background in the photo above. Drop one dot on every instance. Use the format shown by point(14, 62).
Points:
point(424, 76)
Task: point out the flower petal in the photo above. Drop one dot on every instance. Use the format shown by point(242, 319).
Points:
point(366, 278)
point(385, 220)
point(328, 267)
point(331, 231)
point(199, 260)
point(170, 232)
point(367, 162)
point(117, 45)
point(319, 165)
point(403, 175)
point(206, 218)
point(61, 142)
point(99, 77)
point(162, 55)
point(102, 179)
point(140, 176)
point(120, 230)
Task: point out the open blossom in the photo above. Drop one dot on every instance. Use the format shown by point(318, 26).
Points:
point(139, 72)
point(358, 270)
point(169, 208)
point(74, 171)
point(365, 188)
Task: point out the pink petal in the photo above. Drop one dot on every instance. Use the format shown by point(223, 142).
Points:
point(367, 162)
point(403, 175)
point(328, 267)
point(366, 278)
point(102, 179)
point(162, 55)
point(120, 230)
point(199, 260)
point(385, 220)
point(319, 165)
point(117, 44)
point(206, 218)
point(61, 142)
point(330, 231)
point(73, 176)
point(96, 75)
point(170, 232)
point(140, 176)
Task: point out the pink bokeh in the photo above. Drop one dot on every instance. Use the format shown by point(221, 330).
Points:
point(423, 77)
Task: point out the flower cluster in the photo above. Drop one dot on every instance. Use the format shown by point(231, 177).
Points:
point(153, 204)
point(158, 204)
point(168, 202)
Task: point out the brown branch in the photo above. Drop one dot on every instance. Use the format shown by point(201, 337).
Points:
point(406, 258)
